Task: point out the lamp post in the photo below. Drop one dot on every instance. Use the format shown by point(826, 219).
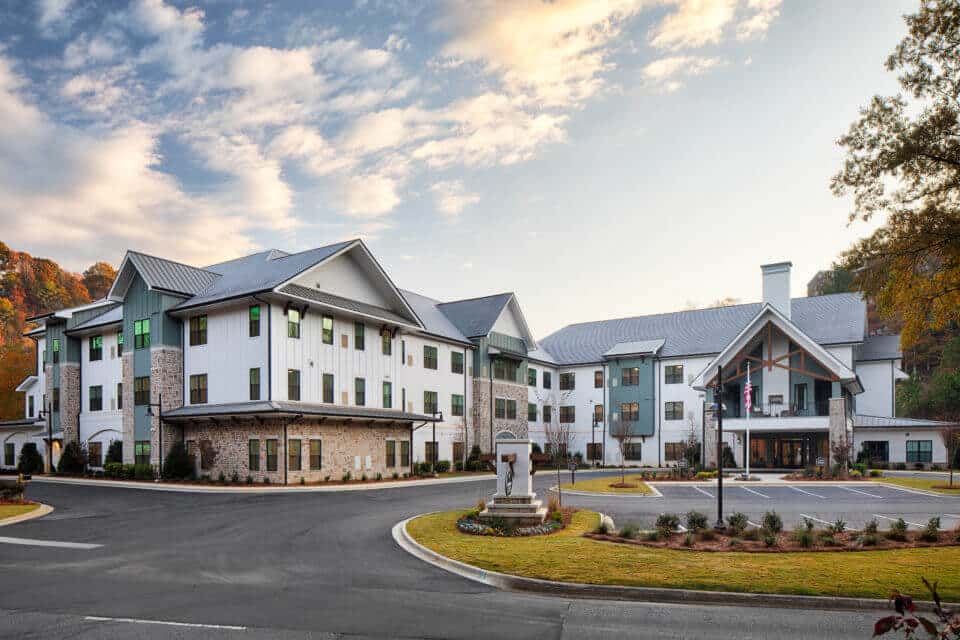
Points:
point(159, 414)
point(593, 436)
point(719, 403)
point(436, 445)
point(44, 414)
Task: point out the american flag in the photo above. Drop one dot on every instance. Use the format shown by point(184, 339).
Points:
point(748, 395)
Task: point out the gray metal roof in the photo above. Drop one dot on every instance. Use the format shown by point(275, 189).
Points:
point(344, 303)
point(878, 348)
point(832, 319)
point(879, 422)
point(433, 319)
point(21, 423)
point(475, 317)
point(265, 407)
point(112, 316)
point(160, 273)
point(630, 348)
point(256, 273)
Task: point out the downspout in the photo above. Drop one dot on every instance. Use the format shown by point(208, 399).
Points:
point(603, 443)
point(286, 453)
point(657, 412)
point(269, 348)
point(491, 404)
point(466, 428)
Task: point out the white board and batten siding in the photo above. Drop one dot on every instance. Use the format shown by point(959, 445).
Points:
point(106, 425)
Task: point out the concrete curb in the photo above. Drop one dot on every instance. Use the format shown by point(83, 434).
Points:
point(260, 489)
point(39, 512)
point(604, 494)
point(507, 582)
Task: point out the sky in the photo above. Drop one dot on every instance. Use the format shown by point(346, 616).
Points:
point(599, 158)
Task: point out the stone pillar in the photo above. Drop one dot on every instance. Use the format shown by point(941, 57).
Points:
point(710, 439)
point(70, 401)
point(166, 379)
point(48, 392)
point(127, 430)
point(482, 408)
point(838, 425)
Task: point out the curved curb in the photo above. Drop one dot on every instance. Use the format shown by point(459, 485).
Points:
point(507, 582)
point(39, 512)
point(600, 494)
point(261, 489)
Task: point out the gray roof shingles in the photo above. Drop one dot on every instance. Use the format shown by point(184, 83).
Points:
point(475, 317)
point(433, 318)
point(112, 316)
point(832, 319)
point(168, 275)
point(880, 422)
point(337, 301)
point(879, 348)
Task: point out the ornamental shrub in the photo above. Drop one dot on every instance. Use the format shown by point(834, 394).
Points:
point(443, 466)
point(667, 523)
point(931, 533)
point(629, 531)
point(737, 522)
point(143, 472)
point(696, 521)
point(73, 458)
point(898, 530)
point(871, 527)
point(772, 522)
point(115, 452)
point(838, 527)
point(803, 536)
point(177, 464)
point(30, 459)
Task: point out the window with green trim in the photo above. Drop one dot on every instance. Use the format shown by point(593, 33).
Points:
point(430, 402)
point(673, 374)
point(531, 377)
point(56, 350)
point(673, 410)
point(254, 320)
point(456, 404)
point(391, 454)
point(272, 454)
point(568, 381)
point(293, 323)
point(630, 411)
point(387, 395)
point(95, 398)
point(547, 379)
point(531, 412)
point(141, 390)
point(568, 415)
point(198, 389)
point(253, 455)
point(141, 452)
point(386, 343)
point(630, 376)
point(429, 357)
point(293, 384)
point(119, 343)
point(326, 329)
point(316, 454)
point(255, 383)
point(198, 330)
point(919, 450)
point(96, 348)
point(141, 334)
point(294, 454)
point(328, 388)
point(359, 391)
point(359, 343)
point(456, 362)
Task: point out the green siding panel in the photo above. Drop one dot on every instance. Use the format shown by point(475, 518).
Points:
point(643, 393)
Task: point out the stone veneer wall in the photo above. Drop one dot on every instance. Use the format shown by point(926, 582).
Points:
point(166, 382)
point(128, 425)
point(482, 407)
point(342, 443)
point(838, 425)
point(48, 390)
point(70, 401)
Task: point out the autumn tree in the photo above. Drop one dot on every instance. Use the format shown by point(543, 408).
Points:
point(98, 278)
point(903, 160)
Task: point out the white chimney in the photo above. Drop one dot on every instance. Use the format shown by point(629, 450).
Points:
point(776, 286)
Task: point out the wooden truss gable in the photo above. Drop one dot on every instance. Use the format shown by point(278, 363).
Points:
point(736, 368)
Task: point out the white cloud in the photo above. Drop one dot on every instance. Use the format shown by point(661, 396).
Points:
point(95, 93)
point(665, 73)
point(695, 23)
point(86, 50)
point(396, 43)
point(554, 51)
point(53, 16)
point(452, 198)
point(369, 196)
point(763, 13)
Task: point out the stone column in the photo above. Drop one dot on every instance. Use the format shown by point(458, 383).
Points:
point(70, 401)
point(838, 425)
point(166, 378)
point(710, 439)
point(128, 428)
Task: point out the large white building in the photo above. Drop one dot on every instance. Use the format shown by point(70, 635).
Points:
point(311, 365)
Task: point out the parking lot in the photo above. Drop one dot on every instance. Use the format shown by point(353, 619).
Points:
point(822, 502)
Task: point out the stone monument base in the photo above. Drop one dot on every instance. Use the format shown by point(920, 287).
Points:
point(520, 511)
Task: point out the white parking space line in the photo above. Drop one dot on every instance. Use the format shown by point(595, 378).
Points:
point(829, 524)
point(809, 493)
point(706, 493)
point(762, 495)
point(753, 524)
point(168, 623)
point(913, 524)
point(872, 495)
point(48, 543)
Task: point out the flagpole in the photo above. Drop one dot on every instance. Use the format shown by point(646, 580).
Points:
point(749, 411)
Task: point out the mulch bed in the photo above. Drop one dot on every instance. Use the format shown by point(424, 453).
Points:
point(470, 524)
point(847, 541)
point(803, 478)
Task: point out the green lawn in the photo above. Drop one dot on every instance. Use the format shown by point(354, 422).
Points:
point(568, 557)
point(11, 510)
point(924, 483)
point(602, 485)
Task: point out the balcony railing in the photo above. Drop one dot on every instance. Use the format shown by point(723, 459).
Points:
point(780, 410)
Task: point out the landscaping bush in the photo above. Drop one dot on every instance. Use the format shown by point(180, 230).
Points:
point(769, 539)
point(379, 476)
point(235, 478)
point(363, 477)
point(861, 467)
point(856, 474)
point(73, 458)
point(653, 536)
point(303, 480)
point(396, 476)
point(443, 466)
point(931, 533)
point(346, 477)
point(696, 521)
point(751, 534)
point(603, 527)
point(249, 479)
point(266, 479)
point(737, 522)
point(13, 492)
point(629, 531)
point(178, 465)
point(30, 459)
point(735, 542)
point(807, 524)
point(838, 527)
point(898, 530)
point(871, 527)
point(918, 466)
point(688, 540)
point(705, 475)
point(708, 535)
point(113, 469)
point(143, 472)
point(900, 466)
point(803, 536)
point(875, 473)
point(869, 540)
point(936, 467)
point(827, 539)
point(772, 522)
point(668, 522)
point(534, 448)
point(115, 451)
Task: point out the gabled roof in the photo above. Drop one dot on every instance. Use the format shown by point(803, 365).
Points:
point(160, 274)
point(641, 347)
point(475, 317)
point(332, 300)
point(27, 382)
point(833, 319)
point(771, 314)
point(114, 315)
point(878, 348)
point(259, 273)
point(434, 320)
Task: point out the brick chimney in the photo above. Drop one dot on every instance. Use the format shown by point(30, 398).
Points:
point(776, 286)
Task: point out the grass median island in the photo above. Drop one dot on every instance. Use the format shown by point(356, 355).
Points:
point(938, 485)
point(567, 556)
point(12, 510)
point(608, 484)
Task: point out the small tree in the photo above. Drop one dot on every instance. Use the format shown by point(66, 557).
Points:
point(842, 450)
point(621, 432)
point(115, 451)
point(73, 459)
point(691, 445)
point(30, 459)
point(178, 464)
point(951, 442)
